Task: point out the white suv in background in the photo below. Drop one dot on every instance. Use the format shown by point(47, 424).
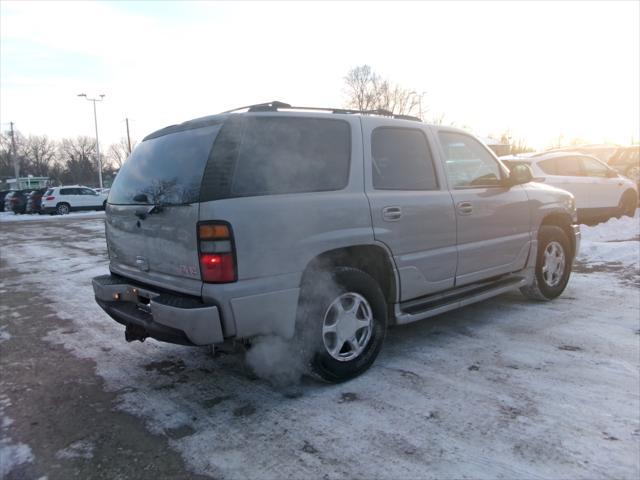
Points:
point(62, 200)
point(598, 189)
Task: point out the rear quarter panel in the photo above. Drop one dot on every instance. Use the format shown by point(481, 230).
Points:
point(276, 236)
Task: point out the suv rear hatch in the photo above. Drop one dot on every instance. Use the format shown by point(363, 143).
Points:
point(153, 208)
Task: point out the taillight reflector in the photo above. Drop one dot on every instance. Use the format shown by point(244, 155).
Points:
point(213, 232)
point(50, 197)
point(217, 267)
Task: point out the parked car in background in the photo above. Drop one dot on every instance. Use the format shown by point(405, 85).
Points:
point(34, 200)
point(626, 160)
point(65, 199)
point(325, 227)
point(17, 202)
point(602, 152)
point(3, 195)
point(600, 191)
point(102, 191)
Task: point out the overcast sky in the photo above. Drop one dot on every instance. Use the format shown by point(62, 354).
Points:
point(540, 69)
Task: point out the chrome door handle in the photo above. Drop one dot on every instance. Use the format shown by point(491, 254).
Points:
point(391, 214)
point(464, 208)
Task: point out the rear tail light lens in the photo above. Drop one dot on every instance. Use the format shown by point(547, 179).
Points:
point(50, 197)
point(217, 253)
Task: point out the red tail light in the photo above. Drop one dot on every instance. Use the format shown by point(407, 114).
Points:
point(217, 253)
point(50, 197)
point(217, 267)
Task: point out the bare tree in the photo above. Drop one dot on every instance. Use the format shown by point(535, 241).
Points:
point(367, 90)
point(6, 159)
point(39, 153)
point(79, 158)
point(118, 152)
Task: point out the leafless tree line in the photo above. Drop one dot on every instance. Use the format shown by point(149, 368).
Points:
point(67, 161)
point(366, 89)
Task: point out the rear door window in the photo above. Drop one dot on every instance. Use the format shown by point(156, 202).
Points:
point(265, 155)
point(165, 169)
point(401, 160)
point(68, 191)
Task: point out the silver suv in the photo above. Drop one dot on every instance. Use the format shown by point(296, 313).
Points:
point(323, 227)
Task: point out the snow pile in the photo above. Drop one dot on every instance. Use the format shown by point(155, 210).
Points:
point(614, 242)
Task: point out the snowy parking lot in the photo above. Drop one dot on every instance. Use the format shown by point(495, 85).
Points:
point(507, 388)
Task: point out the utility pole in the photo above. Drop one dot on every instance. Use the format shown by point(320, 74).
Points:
point(14, 154)
point(95, 119)
point(128, 137)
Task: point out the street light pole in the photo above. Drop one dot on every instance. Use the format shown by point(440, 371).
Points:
point(95, 119)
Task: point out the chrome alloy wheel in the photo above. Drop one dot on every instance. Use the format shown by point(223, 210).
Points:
point(554, 263)
point(347, 326)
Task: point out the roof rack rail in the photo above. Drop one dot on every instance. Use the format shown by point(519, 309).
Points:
point(276, 105)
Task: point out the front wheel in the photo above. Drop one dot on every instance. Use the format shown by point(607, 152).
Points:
point(342, 322)
point(553, 265)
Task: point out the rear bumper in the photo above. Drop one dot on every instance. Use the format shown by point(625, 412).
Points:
point(165, 317)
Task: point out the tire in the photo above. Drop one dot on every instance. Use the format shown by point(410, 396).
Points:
point(324, 323)
point(628, 204)
point(553, 249)
point(63, 209)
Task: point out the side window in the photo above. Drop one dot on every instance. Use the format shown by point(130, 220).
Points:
point(401, 160)
point(68, 191)
point(468, 163)
point(87, 191)
point(569, 166)
point(593, 168)
point(550, 166)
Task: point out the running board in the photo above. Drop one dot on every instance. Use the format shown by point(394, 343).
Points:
point(415, 310)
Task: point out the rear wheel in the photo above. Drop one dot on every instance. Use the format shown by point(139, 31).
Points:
point(342, 322)
point(553, 265)
point(628, 203)
point(63, 209)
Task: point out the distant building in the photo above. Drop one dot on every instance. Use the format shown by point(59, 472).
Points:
point(26, 182)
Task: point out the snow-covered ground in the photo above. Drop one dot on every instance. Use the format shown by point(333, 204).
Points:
point(504, 389)
point(616, 242)
point(12, 217)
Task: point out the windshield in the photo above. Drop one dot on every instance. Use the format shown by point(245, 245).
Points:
point(165, 170)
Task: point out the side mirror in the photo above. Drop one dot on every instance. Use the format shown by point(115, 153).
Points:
point(520, 174)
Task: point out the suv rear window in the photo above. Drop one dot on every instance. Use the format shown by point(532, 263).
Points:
point(165, 170)
point(265, 155)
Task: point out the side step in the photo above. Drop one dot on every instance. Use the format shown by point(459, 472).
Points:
point(419, 309)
